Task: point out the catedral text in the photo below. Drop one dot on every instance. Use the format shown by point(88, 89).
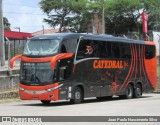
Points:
point(99, 64)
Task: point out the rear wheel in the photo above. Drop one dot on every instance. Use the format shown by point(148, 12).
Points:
point(77, 96)
point(129, 92)
point(45, 102)
point(138, 91)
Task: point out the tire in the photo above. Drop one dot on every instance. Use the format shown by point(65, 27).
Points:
point(45, 102)
point(129, 92)
point(77, 96)
point(138, 91)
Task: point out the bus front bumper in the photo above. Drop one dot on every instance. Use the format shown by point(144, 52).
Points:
point(48, 92)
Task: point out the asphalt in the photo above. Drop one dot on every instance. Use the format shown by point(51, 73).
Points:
point(148, 105)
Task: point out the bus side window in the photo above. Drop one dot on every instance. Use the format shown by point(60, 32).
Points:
point(62, 73)
point(125, 51)
point(81, 50)
point(70, 45)
point(149, 51)
point(63, 49)
point(109, 49)
point(87, 49)
point(116, 50)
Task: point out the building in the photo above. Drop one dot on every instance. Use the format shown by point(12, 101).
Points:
point(18, 40)
point(45, 31)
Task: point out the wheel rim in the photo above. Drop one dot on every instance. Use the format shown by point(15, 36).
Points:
point(77, 95)
point(138, 91)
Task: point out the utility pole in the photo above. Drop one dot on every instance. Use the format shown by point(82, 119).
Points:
point(2, 49)
point(43, 28)
point(19, 29)
point(103, 20)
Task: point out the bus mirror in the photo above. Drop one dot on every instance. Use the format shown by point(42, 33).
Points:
point(58, 57)
point(13, 60)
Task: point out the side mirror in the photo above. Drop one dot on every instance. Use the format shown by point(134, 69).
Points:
point(14, 59)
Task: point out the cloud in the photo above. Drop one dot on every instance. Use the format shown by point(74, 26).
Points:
point(25, 14)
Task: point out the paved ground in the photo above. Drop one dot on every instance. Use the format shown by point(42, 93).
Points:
point(148, 105)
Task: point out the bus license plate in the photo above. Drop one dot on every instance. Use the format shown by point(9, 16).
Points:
point(34, 98)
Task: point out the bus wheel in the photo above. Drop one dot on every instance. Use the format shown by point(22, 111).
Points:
point(129, 92)
point(77, 96)
point(45, 102)
point(138, 91)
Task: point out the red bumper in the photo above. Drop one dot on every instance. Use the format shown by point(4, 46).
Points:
point(38, 92)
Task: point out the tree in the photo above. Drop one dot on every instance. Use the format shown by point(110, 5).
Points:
point(6, 24)
point(64, 13)
point(152, 7)
point(123, 16)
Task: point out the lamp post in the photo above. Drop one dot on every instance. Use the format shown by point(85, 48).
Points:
point(2, 48)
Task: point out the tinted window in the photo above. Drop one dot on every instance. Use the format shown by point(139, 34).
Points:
point(125, 51)
point(103, 49)
point(116, 50)
point(88, 49)
point(149, 51)
point(70, 45)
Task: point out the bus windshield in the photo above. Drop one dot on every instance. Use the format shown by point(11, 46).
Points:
point(36, 73)
point(41, 47)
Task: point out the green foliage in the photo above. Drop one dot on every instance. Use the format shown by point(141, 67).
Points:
point(152, 7)
point(121, 16)
point(64, 13)
point(6, 24)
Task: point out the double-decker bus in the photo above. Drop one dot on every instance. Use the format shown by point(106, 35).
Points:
point(75, 66)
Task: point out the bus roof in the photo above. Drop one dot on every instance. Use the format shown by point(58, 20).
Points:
point(102, 37)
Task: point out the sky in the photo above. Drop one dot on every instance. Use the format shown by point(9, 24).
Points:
point(25, 14)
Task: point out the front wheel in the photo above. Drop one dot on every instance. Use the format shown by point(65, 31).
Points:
point(77, 96)
point(45, 102)
point(138, 91)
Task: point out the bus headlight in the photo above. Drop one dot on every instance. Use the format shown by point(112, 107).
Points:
point(51, 89)
point(48, 90)
point(21, 89)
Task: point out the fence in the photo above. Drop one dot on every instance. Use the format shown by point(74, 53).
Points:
point(16, 47)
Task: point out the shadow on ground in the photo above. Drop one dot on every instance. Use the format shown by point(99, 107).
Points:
point(88, 100)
